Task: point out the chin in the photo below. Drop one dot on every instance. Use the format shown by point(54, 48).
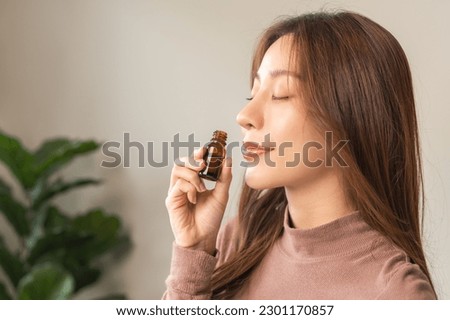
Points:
point(260, 181)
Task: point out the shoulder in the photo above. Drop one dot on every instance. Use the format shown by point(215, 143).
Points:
point(403, 280)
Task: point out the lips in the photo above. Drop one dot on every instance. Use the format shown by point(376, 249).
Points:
point(251, 148)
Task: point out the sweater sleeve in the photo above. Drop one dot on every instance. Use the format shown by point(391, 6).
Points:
point(408, 283)
point(191, 270)
point(190, 274)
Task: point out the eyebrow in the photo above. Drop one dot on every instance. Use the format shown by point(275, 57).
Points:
point(277, 73)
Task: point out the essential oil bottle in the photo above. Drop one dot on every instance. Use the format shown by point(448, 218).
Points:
point(214, 156)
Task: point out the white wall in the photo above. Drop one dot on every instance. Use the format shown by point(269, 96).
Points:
point(97, 69)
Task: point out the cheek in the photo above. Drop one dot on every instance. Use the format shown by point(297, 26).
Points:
point(298, 144)
point(298, 156)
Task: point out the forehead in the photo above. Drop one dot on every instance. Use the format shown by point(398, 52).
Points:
point(277, 56)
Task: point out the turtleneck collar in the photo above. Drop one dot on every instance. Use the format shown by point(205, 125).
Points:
point(339, 237)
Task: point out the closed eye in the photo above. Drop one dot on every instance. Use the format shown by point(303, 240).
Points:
point(273, 97)
point(280, 98)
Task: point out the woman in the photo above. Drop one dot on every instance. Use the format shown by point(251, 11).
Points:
point(342, 223)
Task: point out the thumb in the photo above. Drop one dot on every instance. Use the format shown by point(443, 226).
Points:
point(224, 181)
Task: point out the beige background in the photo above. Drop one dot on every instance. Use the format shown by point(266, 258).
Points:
point(97, 69)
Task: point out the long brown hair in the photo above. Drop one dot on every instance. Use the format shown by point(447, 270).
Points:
point(357, 83)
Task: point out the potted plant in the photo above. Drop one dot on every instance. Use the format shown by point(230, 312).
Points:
point(58, 252)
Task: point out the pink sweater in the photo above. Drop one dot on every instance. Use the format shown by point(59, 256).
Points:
point(343, 259)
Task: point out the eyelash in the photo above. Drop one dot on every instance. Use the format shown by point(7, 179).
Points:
point(273, 97)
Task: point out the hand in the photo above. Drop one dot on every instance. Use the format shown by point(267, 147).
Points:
point(195, 213)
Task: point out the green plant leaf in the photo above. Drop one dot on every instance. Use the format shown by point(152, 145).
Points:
point(13, 210)
point(82, 273)
point(46, 282)
point(105, 229)
point(85, 276)
point(59, 239)
point(57, 152)
point(13, 267)
point(113, 296)
point(37, 222)
point(17, 159)
point(4, 295)
point(56, 220)
point(58, 187)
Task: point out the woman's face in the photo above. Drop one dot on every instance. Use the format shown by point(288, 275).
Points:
point(277, 109)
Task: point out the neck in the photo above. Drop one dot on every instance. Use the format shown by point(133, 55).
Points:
point(318, 202)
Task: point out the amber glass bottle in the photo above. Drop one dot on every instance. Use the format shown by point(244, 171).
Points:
point(214, 156)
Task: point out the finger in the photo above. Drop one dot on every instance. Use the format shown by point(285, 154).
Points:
point(190, 162)
point(199, 153)
point(182, 164)
point(224, 181)
point(196, 160)
point(190, 176)
point(183, 187)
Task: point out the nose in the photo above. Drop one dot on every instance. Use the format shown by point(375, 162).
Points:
point(250, 116)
